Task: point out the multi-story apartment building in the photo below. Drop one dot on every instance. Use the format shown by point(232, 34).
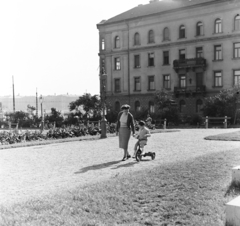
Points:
point(191, 48)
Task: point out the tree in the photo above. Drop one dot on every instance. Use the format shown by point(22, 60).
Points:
point(222, 104)
point(91, 105)
point(111, 115)
point(20, 117)
point(55, 116)
point(141, 114)
point(167, 107)
point(30, 109)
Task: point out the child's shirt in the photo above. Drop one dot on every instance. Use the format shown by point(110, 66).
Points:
point(142, 133)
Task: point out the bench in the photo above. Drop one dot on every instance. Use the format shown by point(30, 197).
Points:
point(218, 121)
point(161, 124)
point(13, 125)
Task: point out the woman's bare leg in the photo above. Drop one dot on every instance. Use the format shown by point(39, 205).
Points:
point(126, 153)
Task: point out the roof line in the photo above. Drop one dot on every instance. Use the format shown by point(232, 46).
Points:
point(159, 13)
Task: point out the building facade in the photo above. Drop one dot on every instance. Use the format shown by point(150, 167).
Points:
point(189, 48)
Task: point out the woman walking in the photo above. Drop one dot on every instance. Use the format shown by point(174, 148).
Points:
point(125, 124)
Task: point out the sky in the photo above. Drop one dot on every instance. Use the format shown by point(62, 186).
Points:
point(52, 45)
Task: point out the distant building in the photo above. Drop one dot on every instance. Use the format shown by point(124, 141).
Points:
point(191, 48)
point(60, 102)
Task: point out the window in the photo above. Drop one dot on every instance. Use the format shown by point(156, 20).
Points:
point(199, 105)
point(151, 59)
point(182, 81)
point(136, 61)
point(165, 57)
point(199, 29)
point(166, 36)
point(199, 80)
point(137, 84)
point(182, 105)
point(236, 74)
point(151, 107)
point(182, 54)
point(218, 26)
point(199, 52)
point(182, 31)
point(217, 52)
point(237, 23)
point(117, 106)
point(166, 82)
point(117, 85)
point(117, 63)
point(151, 36)
point(117, 42)
point(151, 84)
point(136, 39)
point(236, 50)
point(137, 106)
point(217, 78)
point(103, 44)
point(103, 71)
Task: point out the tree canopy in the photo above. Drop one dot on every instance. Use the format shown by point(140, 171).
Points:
point(167, 107)
point(91, 105)
point(222, 104)
point(55, 116)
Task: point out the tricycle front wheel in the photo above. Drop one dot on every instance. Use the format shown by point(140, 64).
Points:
point(139, 155)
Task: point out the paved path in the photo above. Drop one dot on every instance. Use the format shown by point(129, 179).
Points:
point(44, 170)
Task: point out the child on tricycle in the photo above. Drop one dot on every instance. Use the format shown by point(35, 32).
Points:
point(142, 137)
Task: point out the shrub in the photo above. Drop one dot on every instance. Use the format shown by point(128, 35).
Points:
point(222, 104)
point(196, 120)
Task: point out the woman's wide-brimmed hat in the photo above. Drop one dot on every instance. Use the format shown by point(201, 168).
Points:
point(125, 106)
point(141, 123)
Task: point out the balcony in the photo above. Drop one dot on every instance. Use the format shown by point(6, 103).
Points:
point(190, 90)
point(191, 63)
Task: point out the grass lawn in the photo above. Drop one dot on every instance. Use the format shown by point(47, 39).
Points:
point(192, 192)
point(234, 136)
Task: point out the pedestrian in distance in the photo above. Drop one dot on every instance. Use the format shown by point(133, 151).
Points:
point(149, 120)
point(125, 125)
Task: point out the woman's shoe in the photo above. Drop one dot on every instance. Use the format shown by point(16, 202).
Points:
point(124, 158)
point(129, 156)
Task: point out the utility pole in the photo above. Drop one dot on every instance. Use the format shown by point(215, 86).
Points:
point(129, 98)
point(13, 94)
point(42, 115)
point(36, 103)
point(103, 121)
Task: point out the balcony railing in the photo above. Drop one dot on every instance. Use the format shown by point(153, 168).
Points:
point(190, 89)
point(189, 63)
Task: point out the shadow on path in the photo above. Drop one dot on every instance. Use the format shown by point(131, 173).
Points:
point(125, 165)
point(96, 167)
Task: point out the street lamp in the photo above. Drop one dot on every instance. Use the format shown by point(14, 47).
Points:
point(237, 104)
point(103, 121)
point(42, 123)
